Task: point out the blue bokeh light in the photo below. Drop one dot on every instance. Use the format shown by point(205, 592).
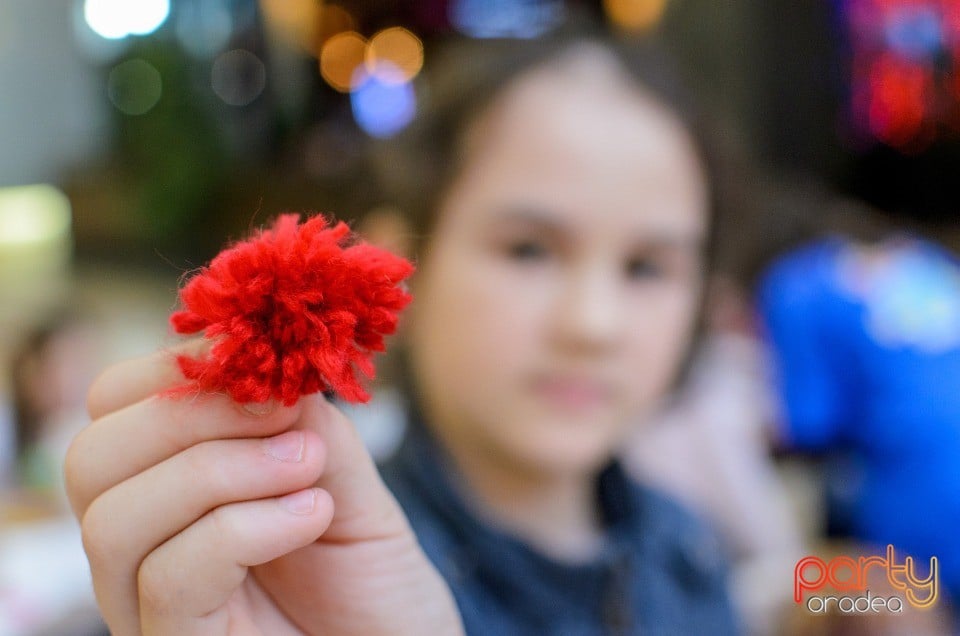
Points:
point(382, 106)
point(505, 18)
point(915, 32)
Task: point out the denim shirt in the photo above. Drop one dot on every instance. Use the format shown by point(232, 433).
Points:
point(660, 572)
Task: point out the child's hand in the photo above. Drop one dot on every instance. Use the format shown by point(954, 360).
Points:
point(200, 517)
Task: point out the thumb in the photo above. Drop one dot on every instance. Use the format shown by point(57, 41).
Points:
point(365, 508)
point(367, 574)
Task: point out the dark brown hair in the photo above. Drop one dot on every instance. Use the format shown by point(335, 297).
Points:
point(417, 168)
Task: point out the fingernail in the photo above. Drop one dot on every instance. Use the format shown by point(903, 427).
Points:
point(300, 503)
point(259, 408)
point(287, 447)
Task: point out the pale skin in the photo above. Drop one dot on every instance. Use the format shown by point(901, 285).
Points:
point(557, 303)
point(552, 310)
point(195, 523)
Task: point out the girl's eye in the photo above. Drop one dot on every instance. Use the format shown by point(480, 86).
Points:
point(527, 251)
point(640, 268)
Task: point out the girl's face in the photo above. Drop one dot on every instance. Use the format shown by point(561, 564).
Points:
point(560, 290)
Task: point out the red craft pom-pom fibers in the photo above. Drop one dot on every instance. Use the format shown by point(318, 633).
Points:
point(296, 309)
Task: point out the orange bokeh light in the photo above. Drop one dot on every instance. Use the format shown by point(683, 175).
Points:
point(394, 54)
point(306, 23)
point(339, 58)
point(294, 20)
point(634, 15)
point(333, 19)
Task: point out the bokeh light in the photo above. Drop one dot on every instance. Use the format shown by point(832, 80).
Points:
point(634, 15)
point(340, 57)
point(204, 28)
point(915, 32)
point(306, 24)
point(115, 19)
point(293, 20)
point(333, 19)
point(238, 77)
point(134, 87)
point(397, 50)
point(383, 104)
point(33, 214)
point(505, 18)
point(904, 56)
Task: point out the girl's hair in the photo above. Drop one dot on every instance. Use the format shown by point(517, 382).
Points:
point(417, 168)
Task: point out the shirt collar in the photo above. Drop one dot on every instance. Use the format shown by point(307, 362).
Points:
point(504, 559)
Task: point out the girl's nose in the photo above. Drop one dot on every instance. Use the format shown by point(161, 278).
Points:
point(589, 314)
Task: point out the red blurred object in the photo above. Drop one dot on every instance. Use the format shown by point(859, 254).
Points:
point(297, 309)
point(904, 65)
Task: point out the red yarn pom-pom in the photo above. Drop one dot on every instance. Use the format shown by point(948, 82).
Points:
point(296, 309)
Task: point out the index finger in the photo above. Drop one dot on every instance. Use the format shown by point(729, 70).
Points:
point(135, 428)
point(130, 381)
point(131, 440)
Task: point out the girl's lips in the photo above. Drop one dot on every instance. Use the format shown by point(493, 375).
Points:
point(572, 393)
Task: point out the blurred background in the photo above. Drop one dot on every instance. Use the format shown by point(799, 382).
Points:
point(138, 136)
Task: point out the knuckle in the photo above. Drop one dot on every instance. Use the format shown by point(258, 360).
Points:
point(156, 585)
point(225, 528)
point(206, 464)
point(222, 523)
point(95, 534)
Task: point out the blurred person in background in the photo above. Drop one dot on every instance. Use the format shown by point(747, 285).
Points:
point(561, 207)
point(44, 579)
point(863, 325)
point(50, 374)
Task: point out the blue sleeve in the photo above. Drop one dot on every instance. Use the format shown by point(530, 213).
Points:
point(798, 311)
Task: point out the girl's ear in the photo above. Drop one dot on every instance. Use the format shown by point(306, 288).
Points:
point(387, 228)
